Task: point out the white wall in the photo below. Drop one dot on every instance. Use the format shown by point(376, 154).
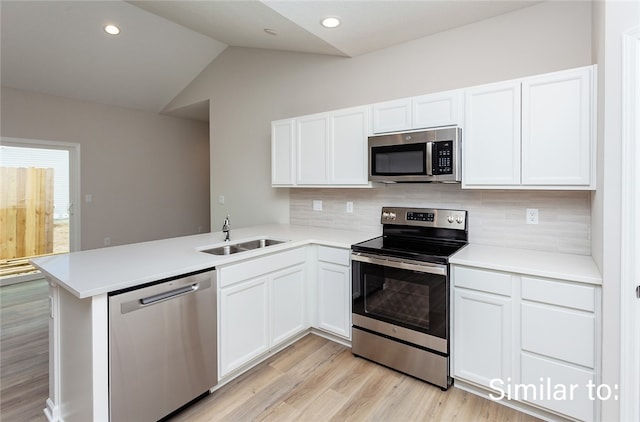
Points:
point(249, 88)
point(148, 174)
point(611, 20)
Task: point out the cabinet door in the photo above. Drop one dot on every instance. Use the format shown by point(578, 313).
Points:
point(287, 303)
point(482, 337)
point(243, 323)
point(441, 109)
point(491, 138)
point(348, 130)
point(334, 299)
point(392, 116)
point(557, 128)
point(283, 152)
point(312, 139)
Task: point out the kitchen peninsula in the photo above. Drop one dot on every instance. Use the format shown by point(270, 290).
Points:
point(80, 283)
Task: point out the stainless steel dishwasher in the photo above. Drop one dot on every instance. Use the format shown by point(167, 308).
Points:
point(162, 346)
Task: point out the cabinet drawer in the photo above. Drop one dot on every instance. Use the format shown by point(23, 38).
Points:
point(559, 333)
point(334, 255)
point(259, 266)
point(482, 280)
point(558, 293)
point(560, 377)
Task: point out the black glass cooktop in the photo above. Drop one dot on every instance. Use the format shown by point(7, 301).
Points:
point(419, 249)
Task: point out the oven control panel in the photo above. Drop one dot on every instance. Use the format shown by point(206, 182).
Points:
point(426, 217)
point(420, 216)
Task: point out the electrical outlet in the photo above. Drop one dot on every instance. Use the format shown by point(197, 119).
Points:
point(350, 207)
point(107, 241)
point(316, 205)
point(221, 199)
point(532, 216)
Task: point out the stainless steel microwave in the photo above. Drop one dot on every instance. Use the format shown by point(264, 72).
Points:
point(431, 155)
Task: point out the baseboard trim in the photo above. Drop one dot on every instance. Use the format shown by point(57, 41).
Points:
point(52, 412)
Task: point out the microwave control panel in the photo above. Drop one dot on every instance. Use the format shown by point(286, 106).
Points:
point(442, 156)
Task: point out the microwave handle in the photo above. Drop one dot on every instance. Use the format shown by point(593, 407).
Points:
point(429, 159)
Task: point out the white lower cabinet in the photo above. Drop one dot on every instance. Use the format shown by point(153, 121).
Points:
point(482, 354)
point(244, 330)
point(287, 303)
point(482, 325)
point(261, 305)
point(334, 291)
point(530, 339)
point(558, 328)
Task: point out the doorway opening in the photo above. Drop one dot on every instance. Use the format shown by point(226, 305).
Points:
point(38, 197)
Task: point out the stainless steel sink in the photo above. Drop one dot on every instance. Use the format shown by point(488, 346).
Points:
point(259, 243)
point(242, 247)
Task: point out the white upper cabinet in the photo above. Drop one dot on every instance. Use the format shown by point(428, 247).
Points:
point(441, 109)
point(491, 137)
point(531, 133)
point(392, 116)
point(425, 111)
point(312, 136)
point(348, 146)
point(283, 152)
point(557, 128)
point(326, 149)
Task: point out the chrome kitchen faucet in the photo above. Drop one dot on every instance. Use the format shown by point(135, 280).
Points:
point(226, 229)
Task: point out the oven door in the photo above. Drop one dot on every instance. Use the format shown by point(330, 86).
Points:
point(404, 299)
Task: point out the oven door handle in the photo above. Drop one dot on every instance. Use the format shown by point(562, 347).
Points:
point(423, 267)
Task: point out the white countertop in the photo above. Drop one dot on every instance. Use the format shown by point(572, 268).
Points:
point(97, 271)
point(579, 268)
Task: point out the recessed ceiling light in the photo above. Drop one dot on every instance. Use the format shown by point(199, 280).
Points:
point(112, 30)
point(330, 22)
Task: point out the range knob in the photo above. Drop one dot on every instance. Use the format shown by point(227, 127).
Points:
point(450, 219)
point(392, 215)
point(459, 219)
point(385, 214)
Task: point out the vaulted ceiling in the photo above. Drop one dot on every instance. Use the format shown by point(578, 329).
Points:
point(60, 47)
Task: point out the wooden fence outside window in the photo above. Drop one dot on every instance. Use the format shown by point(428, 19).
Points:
point(26, 213)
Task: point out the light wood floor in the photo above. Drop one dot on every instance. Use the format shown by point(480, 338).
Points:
point(318, 380)
point(312, 380)
point(24, 351)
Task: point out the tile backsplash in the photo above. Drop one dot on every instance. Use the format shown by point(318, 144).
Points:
point(496, 217)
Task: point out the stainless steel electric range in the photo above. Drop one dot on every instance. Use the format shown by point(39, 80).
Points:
point(401, 291)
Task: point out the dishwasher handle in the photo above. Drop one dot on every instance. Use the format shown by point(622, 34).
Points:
point(140, 303)
point(168, 295)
